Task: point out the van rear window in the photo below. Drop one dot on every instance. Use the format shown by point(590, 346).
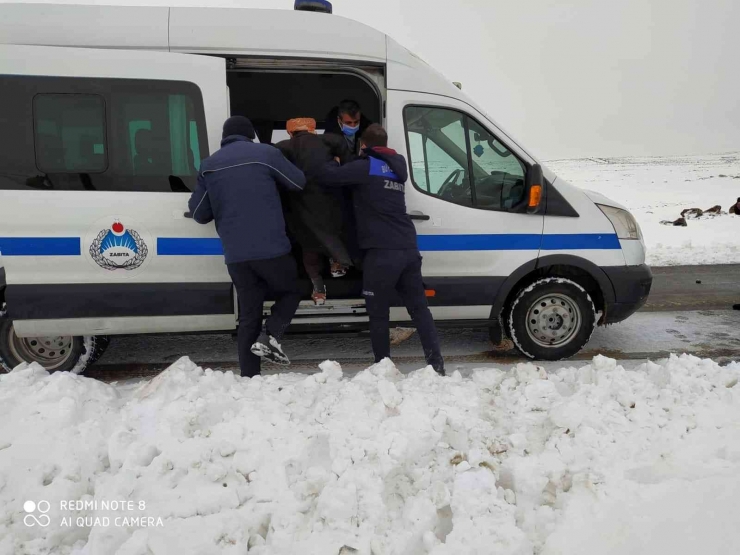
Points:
point(63, 133)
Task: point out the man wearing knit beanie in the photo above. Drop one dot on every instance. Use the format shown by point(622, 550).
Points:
point(238, 126)
point(238, 187)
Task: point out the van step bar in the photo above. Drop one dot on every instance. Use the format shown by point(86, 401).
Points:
point(332, 308)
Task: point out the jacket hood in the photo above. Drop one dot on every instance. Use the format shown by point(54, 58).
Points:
point(395, 161)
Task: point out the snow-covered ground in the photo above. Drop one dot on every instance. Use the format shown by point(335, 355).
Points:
point(659, 188)
point(596, 459)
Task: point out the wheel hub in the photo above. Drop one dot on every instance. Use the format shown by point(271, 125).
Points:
point(553, 320)
point(50, 352)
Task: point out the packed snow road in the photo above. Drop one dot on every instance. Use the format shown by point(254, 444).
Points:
point(696, 317)
point(712, 334)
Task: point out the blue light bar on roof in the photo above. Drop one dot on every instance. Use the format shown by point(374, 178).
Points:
point(322, 6)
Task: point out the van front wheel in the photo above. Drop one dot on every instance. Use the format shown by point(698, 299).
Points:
point(59, 353)
point(552, 319)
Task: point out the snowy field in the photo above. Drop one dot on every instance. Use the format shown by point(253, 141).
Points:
point(657, 189)
point(596, 459)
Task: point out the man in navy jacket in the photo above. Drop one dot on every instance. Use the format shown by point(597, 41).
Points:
point(387, 236)
point(238, 187)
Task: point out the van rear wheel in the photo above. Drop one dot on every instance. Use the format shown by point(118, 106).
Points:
point(54, 353)
point(552, 319)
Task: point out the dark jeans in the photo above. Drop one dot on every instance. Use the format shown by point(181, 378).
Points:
point(385, 272)
point(253, 280)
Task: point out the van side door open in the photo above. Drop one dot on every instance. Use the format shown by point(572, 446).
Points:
point(101, 149)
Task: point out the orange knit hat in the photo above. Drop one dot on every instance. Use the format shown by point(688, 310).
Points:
point(301, 124)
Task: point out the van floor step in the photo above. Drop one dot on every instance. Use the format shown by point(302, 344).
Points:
point(342, 307)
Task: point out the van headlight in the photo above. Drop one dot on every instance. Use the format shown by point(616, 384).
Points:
point(624, 223)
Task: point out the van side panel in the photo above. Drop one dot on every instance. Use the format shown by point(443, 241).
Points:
point(135, 27)
point(89, 212)
point(274, 33)
point(605, 250)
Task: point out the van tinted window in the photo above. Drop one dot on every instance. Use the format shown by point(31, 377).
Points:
point(69, 132)
point(100, 134)
point(455, 158)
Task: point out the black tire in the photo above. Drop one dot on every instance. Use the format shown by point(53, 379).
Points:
point(551, 319)
point(75, 354)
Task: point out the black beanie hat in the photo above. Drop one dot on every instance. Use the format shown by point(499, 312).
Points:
point(238, 125)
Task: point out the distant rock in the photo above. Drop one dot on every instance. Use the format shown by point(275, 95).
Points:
point(679, 222)
point(692, 213)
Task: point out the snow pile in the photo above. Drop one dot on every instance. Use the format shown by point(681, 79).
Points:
point(660, 188)
point(591, 460)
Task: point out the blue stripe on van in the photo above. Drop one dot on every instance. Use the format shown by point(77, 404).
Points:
point(181, 246)
point(501, 242)
point(519, 242)
point(40, 246)
point(580, 241)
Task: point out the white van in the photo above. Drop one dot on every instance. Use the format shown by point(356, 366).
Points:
point(107, 111)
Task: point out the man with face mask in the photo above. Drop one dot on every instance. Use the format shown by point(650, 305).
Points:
point(347, 121)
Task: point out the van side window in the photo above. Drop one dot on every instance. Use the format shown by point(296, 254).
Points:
point(69, 131)
point(100, 134)
point(439, 161)
point(455, 158)
point(159, 134)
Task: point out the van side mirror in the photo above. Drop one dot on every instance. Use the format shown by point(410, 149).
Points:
point(535, 184)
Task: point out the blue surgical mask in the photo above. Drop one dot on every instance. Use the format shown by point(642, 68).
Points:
point(350, 131)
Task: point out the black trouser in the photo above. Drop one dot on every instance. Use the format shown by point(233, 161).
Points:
point(386, 271)
point(253, 279)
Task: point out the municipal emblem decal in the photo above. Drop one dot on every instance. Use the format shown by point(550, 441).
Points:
point(118, 248)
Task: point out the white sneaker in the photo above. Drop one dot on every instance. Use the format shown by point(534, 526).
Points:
point(267, 347)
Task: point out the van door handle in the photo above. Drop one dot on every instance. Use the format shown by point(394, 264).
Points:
point(416, 215)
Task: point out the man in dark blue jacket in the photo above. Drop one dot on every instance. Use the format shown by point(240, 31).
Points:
point(238, 187)
point(386, 234)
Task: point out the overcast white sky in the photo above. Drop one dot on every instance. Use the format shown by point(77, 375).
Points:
point(574, 78)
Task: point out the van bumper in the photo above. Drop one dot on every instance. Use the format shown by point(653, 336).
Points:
point(631, 289)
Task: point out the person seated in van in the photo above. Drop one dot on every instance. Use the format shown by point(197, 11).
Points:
point(387, 236)
point(315, 216)
point(238, 188)
point(347, 121)
point(145, 152)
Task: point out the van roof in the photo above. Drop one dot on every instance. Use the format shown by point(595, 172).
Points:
point(237, 31)
point(225, 31)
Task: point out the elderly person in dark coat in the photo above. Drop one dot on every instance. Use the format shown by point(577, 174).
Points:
point(315, 216)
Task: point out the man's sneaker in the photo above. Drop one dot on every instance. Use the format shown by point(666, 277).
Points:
point(319, 298)
point(337, 269)
point(268, 348)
